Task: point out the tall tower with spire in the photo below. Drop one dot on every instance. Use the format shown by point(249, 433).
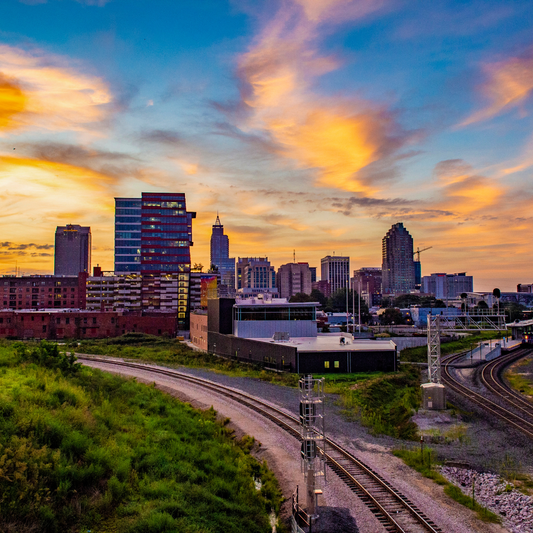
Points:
point(220, 255)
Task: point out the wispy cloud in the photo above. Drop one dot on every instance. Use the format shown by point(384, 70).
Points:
point(335, 136)
point(509, 83)
point(40, 90)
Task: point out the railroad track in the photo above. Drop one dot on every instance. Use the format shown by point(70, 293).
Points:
point(392, 509)
point(515, 411)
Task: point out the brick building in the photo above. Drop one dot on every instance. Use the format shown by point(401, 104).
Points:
point(43, 292)
point(66, 324)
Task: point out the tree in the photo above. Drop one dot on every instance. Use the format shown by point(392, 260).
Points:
point(213, 269)
point(337, 304)
point(406, 300)
point(391, 316)
point(197, 267)
point(319, 296)
point(482, 305)
point(497, 294)
point(514, 311)
point(431, 301)
point(301, 297)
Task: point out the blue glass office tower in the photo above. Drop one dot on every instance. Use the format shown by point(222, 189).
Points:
point(127, 235)
point(153, 236)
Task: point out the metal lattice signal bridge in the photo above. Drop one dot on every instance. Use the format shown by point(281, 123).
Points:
point(313, 436)
point(433, 349)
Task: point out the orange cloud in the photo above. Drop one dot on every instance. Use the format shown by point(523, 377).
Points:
point(12, 102)
point(509, 84)
point(42, 91)
point(336, 136)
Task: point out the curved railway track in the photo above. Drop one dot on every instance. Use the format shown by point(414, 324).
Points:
point(514, 409)
point(393, 510)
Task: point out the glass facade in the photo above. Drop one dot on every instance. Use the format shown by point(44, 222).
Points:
point(153, 235)
point(127, 235)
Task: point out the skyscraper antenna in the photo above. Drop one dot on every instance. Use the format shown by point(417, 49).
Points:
point(294, 256)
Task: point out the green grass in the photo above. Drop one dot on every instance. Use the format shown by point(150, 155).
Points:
point(519, 381)
point(172, 352)
point(424, 461)
point(83, 450)
point(384, 402)
point(420, 353)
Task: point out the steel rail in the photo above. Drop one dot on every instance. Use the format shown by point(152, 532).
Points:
point(491, 376)
point(485, 403)
point(390, 507)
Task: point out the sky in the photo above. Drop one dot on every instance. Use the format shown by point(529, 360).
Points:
point(310, 126)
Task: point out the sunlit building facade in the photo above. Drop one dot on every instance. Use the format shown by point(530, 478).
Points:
point(336, 270)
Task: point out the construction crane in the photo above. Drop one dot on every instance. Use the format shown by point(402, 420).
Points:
point(419, 251)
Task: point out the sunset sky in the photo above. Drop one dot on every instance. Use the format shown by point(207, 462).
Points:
point(311, 125)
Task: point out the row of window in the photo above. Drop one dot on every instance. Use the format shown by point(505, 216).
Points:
point(169, 235)
point(128, 203)
point(127, 235)
point(127, 227)
point(155, 203)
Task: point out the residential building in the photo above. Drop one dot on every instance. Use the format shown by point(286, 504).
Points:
point(220, 255)
point(160, 245)
point(293, 278)
point(43, 292)
point(255, 273)
point(72, 253)
point(127, 235)
point(367, 281)
point(446, 286)
point(336, 270)
point(398, 268)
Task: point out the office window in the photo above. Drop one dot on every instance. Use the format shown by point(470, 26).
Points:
point(336, 364)
point(326, 364)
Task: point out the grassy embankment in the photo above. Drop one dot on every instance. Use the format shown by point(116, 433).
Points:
point(420, 354)
point(83, 450)
point(171, 352)
point(383, 402)
point(424, 462)
point(518, 379)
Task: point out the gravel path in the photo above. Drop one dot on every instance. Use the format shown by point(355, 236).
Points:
point(340, 509)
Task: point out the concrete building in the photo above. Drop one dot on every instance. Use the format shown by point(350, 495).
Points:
point(165, 237)
point(43, 292)
point(107, 291)
point(220, 255)
point(293, 278)
point(72, 253)
point(398, 267)
point(275, 348)
point(313, 274)
point(336, 270)
point(255, 273)
point(446, 286)
point(524, 287)
point(367, 280)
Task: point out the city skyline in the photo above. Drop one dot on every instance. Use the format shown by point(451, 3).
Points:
point(311, 126)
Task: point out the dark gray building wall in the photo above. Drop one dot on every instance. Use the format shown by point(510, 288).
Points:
point(220, 315)
point(72, 253)
point(274, 356)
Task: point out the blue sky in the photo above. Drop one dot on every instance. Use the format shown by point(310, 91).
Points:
point(310, 125)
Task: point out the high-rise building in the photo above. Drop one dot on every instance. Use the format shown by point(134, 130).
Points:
point(293, 278)
point(127, 235)
point(445, 286)
point(313, 274)
point(220, 255)
point(398, 269)
point(255, 273)
point(336, 270)
point(72, 250)
point(367, 280)
point(160, 244)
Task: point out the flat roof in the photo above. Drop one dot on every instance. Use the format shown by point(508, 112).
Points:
point(521, 324)
point(251, 302)
point(328, 343)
